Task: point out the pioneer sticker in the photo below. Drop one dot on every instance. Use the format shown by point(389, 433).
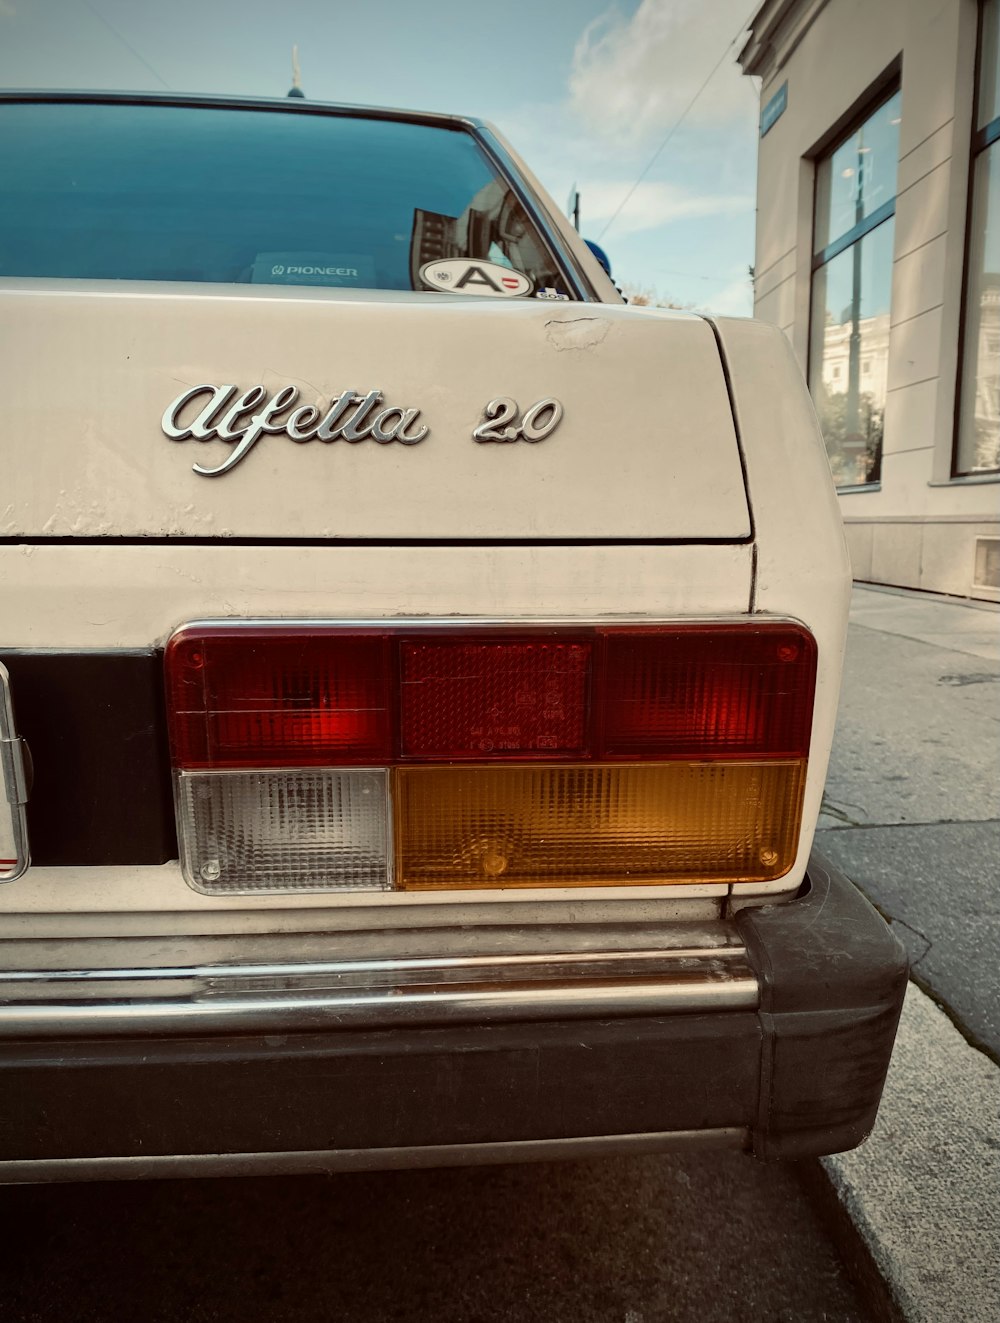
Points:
point(338, 270)
point(465, 275)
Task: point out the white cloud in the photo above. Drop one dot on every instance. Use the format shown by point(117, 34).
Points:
point(634, 76)
point(656, 203)
point(733, 300)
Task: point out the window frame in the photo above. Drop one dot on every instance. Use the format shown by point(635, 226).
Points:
point(878, 96)
point(980, 140)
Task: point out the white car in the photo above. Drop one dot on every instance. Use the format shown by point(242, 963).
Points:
point(428, 664)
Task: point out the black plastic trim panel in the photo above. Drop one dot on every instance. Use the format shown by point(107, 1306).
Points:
point(95, 723)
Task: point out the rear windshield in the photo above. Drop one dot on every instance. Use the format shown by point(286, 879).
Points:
point(140, 192)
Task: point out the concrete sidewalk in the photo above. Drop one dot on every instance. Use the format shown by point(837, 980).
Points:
point(913, 816)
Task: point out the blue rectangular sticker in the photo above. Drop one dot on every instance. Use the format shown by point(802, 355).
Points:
point(774, 109)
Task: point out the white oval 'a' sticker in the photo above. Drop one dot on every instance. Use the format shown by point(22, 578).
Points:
point(471, 275)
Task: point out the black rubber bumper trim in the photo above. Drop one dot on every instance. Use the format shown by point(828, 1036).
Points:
point(804, 1073)
point(362, 1090)
point(833, 978)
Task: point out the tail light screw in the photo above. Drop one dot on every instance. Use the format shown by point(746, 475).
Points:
point(494, 863)
point(211, 870)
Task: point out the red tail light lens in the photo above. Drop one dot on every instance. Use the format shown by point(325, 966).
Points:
point(494, 698)
point(321, 696)
point(278, 697)
point(722, 691)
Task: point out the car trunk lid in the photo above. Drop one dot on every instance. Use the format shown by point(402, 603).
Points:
point(645, 449)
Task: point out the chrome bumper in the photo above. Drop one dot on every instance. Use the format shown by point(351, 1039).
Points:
point(690, 970)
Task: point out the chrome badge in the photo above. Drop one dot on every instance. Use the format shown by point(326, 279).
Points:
point(243, 419)
point(503, 421)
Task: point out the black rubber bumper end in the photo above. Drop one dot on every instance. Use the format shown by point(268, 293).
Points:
point(833, 978)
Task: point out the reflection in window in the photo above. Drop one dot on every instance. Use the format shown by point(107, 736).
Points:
point(213, 193)
point(978, 445)
point(851, 290)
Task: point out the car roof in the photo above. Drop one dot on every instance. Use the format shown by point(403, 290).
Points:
point(292, 105)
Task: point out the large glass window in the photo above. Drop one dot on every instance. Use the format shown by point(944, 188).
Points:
point(118, 191)
point(978, 444)
point(851, 293)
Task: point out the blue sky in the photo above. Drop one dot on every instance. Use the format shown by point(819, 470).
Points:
point(586, 90)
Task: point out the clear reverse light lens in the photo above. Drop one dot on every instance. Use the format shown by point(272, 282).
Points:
point(306, 829)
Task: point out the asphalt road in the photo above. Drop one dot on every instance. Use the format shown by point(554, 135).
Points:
point(716, 1238)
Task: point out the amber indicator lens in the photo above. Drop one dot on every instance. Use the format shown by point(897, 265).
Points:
point(713, 690)
point(278, 697)
point(592, 825)
point(496, 698)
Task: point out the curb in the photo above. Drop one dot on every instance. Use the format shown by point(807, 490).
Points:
point(854, 1251)
point(915, 1211)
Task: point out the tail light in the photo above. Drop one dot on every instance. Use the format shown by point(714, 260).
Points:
point(314, 757)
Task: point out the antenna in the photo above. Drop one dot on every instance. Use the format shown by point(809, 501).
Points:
point(296, 87)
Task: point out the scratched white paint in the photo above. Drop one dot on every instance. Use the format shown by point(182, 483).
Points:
point(108, 596)
point(90, 898)
point(646, 447)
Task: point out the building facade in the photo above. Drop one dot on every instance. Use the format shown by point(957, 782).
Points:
point(878, 254)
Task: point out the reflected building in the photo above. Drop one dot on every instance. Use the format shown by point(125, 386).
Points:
point(984, 447)
point(850, 396)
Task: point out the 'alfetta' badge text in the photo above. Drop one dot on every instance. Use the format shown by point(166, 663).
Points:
point(242, 419)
